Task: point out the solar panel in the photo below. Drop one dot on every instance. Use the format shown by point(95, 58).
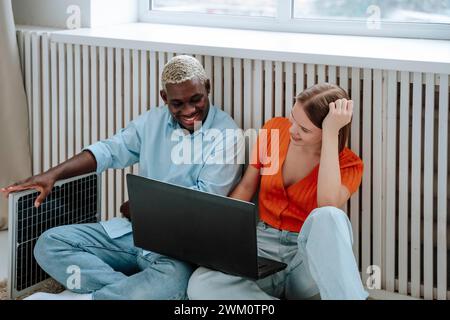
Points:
point(72, 201)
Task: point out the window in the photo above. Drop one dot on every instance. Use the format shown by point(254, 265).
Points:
point(418, 11)
point(393, 18)
point(255, 8)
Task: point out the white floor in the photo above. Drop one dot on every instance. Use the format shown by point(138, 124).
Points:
point(3, 254)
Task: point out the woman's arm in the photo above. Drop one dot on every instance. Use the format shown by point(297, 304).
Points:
point(330, 191)
point(248, 185)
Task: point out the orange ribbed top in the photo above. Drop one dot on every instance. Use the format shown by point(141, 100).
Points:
point(287, 208)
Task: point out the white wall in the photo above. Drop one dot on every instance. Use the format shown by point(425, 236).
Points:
point(53, 13)
point(49, 13)
point(111, 12)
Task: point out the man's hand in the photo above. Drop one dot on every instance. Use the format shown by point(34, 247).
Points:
point(125, 210)
point(43, 183)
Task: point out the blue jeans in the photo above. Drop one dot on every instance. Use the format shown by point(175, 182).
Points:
point(320, 262)
point(109, 268)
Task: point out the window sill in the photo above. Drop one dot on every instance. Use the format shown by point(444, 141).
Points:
point(416, 55)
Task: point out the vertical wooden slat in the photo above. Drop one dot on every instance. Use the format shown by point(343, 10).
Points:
point(161, 63)
point(343, 83)
point(258, 94)
point(86, 95)
point(268, 90)
point(247, 94)
point(78, 109)
point(237, 90)
point(299, 78)
point(127, 100)
point(110, 128)
point(279, 89)
point(366, 234)
point(209, 69)
point(310, 75)
point(86, 88)
point(428, 178)
point(354, 144)
point(62, 102)
point(343, 78)
point(218, 86)
point(127, 85)
point(289, 92)
point(320, 73)
point(416, 184)
point(95, 110)
point(153, 79)
point(144, 82)
point(54, 103)
point(95, 116)
point(227, 85)
point(70, 103)
point(332, 74)
point(36, 105)
point(136, 94)
point(377, 259)
point(46, 111)
point(442, 185)
point(118, 108)
point(94, 94)
point(391, 174)
point(28, 87)
point(102, 123)
point(403, 184)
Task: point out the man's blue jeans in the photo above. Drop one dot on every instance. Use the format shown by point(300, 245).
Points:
point(109, 268)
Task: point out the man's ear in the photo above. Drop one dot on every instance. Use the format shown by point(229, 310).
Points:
point(163, 95)
point(208, 86)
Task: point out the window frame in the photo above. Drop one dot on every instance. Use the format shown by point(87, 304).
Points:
point(284, 23)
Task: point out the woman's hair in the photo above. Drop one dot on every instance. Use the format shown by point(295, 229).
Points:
point(315, 101)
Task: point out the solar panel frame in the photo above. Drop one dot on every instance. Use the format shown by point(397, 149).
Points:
point(72, 201)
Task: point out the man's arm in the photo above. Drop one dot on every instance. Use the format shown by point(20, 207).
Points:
point(119, 151)
point(81, 163)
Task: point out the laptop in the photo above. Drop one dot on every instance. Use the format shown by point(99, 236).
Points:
point(197, 227)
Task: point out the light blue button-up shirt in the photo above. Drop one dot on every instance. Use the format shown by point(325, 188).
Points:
point(156, 141)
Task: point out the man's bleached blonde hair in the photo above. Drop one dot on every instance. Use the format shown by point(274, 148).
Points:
point(182, 68)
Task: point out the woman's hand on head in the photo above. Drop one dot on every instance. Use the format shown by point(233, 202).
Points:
point(339, 116)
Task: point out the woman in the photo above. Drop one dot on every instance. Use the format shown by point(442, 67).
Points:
point(301, 224)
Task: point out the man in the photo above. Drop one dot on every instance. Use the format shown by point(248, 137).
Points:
point(111, 266)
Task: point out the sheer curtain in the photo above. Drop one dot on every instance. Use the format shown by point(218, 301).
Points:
point(15, 159)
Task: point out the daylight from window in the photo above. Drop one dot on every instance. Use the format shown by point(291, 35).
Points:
point(417, 11)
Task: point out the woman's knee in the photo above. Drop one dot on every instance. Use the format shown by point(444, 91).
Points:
point(329, 216)
point(327, 220)
point(328, 213)
point(200, 284)
point(175, 276)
